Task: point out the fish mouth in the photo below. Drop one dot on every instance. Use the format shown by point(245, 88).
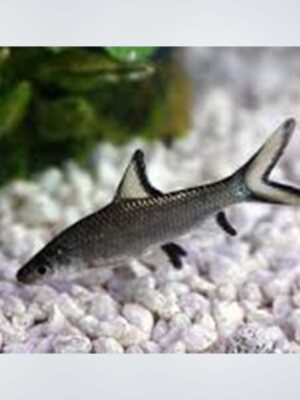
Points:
point(23, 276)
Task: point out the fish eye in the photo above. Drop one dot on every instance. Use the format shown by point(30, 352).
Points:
point(42, 270)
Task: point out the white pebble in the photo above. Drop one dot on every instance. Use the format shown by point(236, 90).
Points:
point(282, 307)
point(21, 190)
point(139, 316)
point(79, 179)
point(225, 269)
point(106, 172)
point(51, 180)
point(200, 337)
point(10, 333)
point(70, 215)
point(292, 347)
point(82, 295)
point(294, 320)
point(14, 241)
point(150, 347)
point(69, 307)
point(226, 291)
point(193, 303)
point(107, 345)
point(177, 326)
point(82, 186)
point(228, 316)
point(296, 300)
point(277, 286)
point(72, 344)
point(250, 291)
point(103, 307)
point(123, 332)
point(44, 296)
point(253, 338)
point(89, 325)
point(176, 347)
point(155, 301)
point(44, 345)
point(40, 210)
point(19, 347)
point(134, 349)
point(13, 306)
point(176, 288)
point(57, 320)
point(22, 322)
point(199, 284)
point(160, 330)
point(260, 315)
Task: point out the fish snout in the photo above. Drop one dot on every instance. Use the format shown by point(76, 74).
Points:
point(23, 276)
point(35, 270)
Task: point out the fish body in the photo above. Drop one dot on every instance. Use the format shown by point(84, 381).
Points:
point(140, 216)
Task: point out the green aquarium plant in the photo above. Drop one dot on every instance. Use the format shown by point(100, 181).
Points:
point(56, 102)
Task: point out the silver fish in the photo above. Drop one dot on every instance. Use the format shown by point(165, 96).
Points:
point(140, 216)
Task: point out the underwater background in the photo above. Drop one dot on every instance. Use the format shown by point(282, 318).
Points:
point(70, 119)
point(56, 103)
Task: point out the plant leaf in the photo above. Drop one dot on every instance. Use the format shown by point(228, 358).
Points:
point(131, 54)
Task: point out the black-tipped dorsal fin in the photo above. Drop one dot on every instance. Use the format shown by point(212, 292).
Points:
point(135, 183)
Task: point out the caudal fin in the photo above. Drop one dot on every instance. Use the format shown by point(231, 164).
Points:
point(257, 170)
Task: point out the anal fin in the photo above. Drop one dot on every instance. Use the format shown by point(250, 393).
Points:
point(225, 224)
point(175, 254)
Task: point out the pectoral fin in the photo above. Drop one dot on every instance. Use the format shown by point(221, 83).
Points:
point(175, 254)
point(225, 224)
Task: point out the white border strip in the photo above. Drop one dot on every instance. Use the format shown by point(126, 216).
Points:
point(149, 377)
point(155, 22)
point(149, 22)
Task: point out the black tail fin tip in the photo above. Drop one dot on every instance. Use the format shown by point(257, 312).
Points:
point(259, 167)
point(289, 125)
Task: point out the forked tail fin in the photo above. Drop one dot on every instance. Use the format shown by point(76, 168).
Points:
point(257, 170)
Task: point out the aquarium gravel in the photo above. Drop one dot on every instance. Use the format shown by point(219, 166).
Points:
point(233, 295)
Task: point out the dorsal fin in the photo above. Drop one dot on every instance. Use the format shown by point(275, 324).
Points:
point(135, 183)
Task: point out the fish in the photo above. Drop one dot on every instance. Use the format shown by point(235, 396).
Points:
point(141, 217)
